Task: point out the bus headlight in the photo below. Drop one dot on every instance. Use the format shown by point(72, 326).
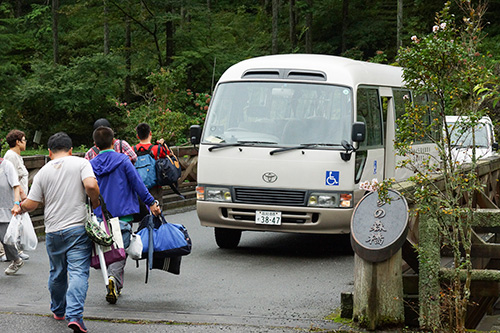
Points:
point(323, 200)
point(213, 194)
point(330, 200)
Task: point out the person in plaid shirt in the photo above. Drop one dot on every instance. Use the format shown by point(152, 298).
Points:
point(120, 146)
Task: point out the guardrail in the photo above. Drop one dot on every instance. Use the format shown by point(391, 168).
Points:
point(188, 158)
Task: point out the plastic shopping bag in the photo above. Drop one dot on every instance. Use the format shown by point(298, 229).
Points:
point(13, 231)
point(134, 250)
point(28, 238)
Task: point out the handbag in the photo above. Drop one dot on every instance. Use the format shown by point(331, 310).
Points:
point(115, 252)
point(169, 239)
point(164, 244)
point(94, 230)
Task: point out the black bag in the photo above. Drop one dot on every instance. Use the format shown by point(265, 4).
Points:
point(168, 169)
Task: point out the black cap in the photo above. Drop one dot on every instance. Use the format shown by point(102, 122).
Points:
point(101, 122)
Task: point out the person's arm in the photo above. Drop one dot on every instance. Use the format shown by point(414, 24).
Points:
point(92, 190)
point(22, 194)
point(27, 205)
point(17, 198)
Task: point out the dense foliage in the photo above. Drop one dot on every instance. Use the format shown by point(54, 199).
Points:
point(65, 64)
point(448, 65)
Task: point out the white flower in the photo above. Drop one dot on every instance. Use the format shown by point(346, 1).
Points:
point(443, 25)
point(414, 38)
point(406, 97)
point(369, 186)
point(435, 28)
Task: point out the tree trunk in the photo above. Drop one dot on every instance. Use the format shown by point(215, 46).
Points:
point(55, 31)
point(274, 38)
point(345, 24)
point(128, 58)
point(18, 8)
point(399, 24)
point(309, 21)
point(169, 34)
point(106, 28)
point(293, 23)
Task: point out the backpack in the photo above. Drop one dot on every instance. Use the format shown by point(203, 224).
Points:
point(145, 166)
point(168, 169)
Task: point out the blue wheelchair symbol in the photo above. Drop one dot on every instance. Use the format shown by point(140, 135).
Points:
point(375, 167)
point(332, 178)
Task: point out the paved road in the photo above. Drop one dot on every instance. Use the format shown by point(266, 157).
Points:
point(271, 283)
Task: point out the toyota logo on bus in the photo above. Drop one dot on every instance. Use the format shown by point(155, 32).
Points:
point(269, 177)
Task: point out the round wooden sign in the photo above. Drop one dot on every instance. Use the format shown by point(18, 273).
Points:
point(379, 229)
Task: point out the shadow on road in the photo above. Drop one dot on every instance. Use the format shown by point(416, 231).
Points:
point(295, 245)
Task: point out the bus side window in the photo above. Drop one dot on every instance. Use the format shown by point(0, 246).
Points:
point(369, 112)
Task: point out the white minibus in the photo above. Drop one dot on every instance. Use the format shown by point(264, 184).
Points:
point(288, 138)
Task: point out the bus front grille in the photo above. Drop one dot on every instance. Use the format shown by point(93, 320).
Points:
point(270, 196)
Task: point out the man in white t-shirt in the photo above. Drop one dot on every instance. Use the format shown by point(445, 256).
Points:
point(17, 143)
point(62, 184)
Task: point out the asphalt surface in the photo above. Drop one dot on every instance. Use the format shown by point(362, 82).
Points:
point(184, 303)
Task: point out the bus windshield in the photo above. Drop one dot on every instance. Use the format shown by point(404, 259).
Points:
point(279, 114)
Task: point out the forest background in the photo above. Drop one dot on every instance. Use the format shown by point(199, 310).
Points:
point(64, 64)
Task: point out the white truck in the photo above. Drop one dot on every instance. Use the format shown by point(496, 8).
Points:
point(463, 142)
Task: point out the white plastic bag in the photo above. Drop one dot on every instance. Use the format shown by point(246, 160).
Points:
point(28, 240)
point(134, 250)
point(13, 231)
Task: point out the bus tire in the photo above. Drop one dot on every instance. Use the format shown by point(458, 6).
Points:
point(227, 238)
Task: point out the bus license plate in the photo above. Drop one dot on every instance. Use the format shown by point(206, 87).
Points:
point(267, 217)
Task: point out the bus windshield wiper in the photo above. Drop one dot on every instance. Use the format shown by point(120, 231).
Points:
point(240, 143)
point(303, 146)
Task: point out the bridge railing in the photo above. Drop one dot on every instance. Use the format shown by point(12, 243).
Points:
point(429, 270)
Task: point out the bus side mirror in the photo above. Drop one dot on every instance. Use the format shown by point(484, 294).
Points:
point(358, 131)
point(195, 134)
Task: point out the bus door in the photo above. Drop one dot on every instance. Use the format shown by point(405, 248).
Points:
point(387, 104)
point(370, 158)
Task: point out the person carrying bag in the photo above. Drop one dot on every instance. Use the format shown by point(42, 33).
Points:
point(120, 186)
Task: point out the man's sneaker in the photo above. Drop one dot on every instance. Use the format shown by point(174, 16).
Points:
point(14, 267)
point(77, 326)
point(23, 255)
point(3, 258)
point(112, 295)
point(56, 317)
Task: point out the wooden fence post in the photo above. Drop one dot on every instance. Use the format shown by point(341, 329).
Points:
point(378, 292)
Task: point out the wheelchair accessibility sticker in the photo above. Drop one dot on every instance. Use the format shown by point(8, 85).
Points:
point(332, 178)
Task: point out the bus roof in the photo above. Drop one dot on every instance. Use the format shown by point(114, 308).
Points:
point(315, 67)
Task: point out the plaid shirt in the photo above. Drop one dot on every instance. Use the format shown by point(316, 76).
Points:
point(120, 146)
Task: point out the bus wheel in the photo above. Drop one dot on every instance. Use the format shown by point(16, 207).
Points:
point(227, 238)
